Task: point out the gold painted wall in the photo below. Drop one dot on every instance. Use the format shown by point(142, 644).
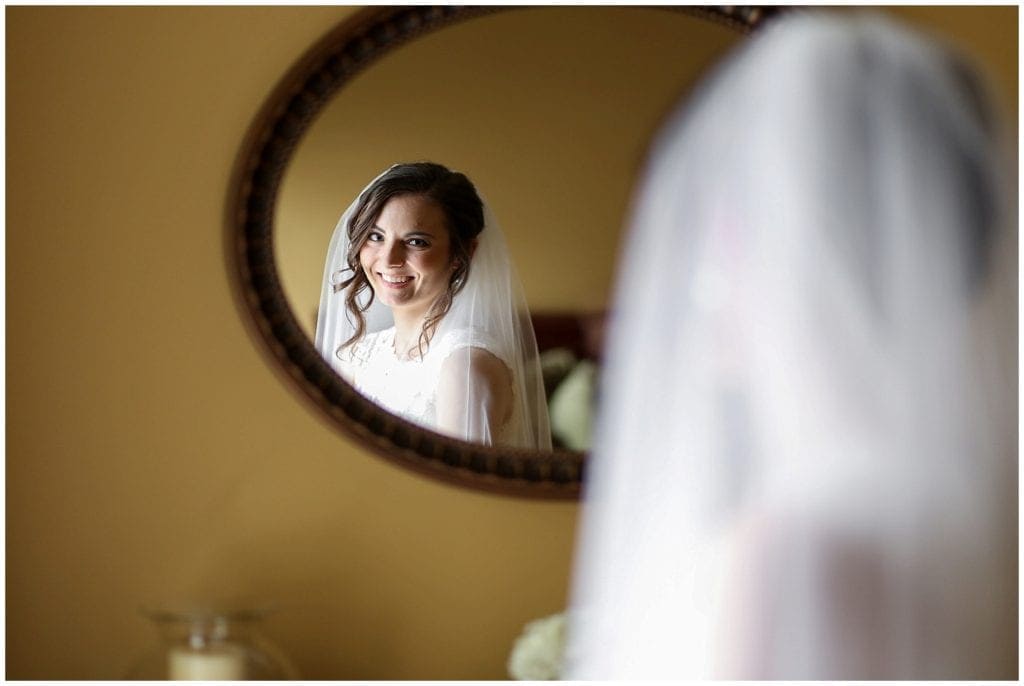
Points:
point(151, 451)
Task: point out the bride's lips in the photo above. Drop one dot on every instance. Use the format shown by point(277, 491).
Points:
point(395, 282)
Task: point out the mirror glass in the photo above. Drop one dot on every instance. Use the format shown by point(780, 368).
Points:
point(548, 110)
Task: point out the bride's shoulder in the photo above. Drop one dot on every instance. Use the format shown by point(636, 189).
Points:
point(464, 337)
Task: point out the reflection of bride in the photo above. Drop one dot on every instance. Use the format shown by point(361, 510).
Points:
point(422, 312)
point(806, 461)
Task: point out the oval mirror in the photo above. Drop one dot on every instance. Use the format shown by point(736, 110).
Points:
point(547, 109)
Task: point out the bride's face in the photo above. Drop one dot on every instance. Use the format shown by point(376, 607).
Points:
point(407, 254)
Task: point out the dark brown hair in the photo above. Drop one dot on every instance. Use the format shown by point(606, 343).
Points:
point(464, 215)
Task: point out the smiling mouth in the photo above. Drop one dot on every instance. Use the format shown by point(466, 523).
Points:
point(395, 280)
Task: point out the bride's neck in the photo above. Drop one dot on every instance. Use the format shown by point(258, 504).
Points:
point(407, 332)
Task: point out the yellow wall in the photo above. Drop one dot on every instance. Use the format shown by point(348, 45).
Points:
point(151, 452)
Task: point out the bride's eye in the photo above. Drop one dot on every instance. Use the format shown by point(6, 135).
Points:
point(418, 243)
point(375, 237)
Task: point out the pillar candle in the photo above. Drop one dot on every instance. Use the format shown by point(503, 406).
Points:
point(221, 663)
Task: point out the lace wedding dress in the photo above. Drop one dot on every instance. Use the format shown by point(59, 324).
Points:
point(408, 387)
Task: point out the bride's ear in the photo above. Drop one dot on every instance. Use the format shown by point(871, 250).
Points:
point(456, 263)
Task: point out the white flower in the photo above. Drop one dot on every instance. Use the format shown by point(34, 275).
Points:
point(539, 651)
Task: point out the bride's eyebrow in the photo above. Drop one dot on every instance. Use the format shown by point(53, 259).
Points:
point(418, 233)
point(415, 232)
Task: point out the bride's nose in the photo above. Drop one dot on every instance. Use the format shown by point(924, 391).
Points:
point(395, 255)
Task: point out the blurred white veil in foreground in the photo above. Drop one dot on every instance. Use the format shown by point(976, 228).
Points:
point(806, 460)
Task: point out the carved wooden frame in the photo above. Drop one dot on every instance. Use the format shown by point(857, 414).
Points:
point(350, 48)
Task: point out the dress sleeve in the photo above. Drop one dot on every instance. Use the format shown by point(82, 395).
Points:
point(475, 389)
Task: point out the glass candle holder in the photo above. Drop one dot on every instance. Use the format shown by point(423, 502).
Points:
point(212, 645)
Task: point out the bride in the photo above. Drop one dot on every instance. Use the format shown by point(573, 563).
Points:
point(806, 457)
point(421, 310)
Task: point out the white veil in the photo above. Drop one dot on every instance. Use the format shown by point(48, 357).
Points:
point(489, 312)
point(805, 465)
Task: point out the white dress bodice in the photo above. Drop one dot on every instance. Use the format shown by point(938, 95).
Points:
point(408, 387)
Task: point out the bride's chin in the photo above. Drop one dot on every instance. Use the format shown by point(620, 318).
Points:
point(393, 299)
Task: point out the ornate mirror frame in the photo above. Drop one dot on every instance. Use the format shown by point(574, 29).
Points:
point(353, 46)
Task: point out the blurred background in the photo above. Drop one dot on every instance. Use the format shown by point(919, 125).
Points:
point(153, 451)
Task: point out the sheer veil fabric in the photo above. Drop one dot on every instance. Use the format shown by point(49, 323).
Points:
point(806, 454)
point(444, 391)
